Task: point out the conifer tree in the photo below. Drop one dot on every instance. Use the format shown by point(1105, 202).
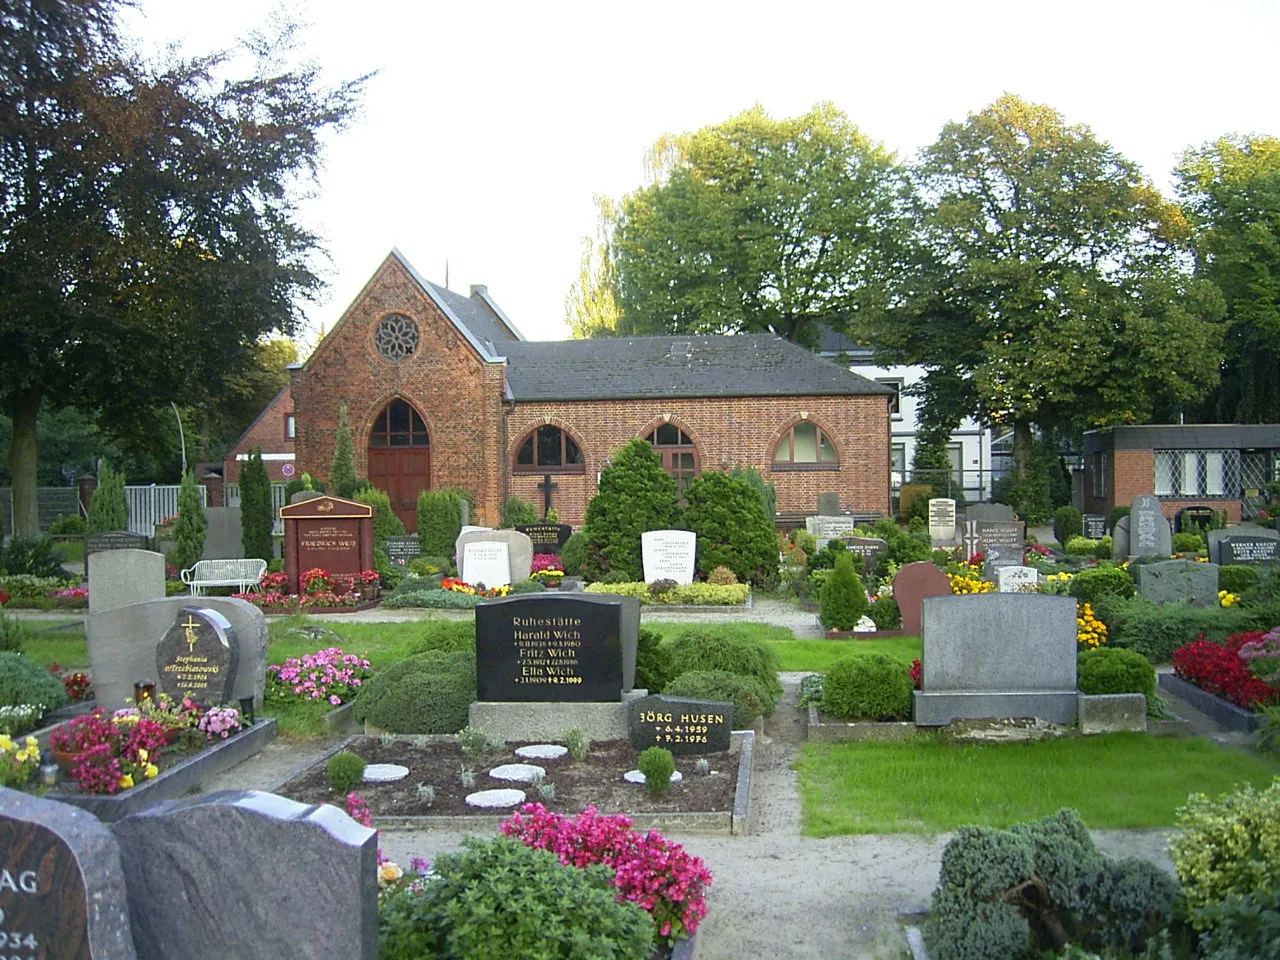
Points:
point(189, 531)
point(109, 509)
point(342, 474)
point(256, 521)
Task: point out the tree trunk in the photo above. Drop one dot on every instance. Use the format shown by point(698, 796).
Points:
point(25, 409)
point(1022, 449)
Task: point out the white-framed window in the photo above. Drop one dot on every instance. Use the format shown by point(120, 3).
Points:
point(290, 426)
point(1197, 473)
point(898, 464)
point(955, 453)
point(895, 402)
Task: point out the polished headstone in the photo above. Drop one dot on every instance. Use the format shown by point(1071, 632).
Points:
point(1095, 526)
point(519, 551)
point(912, 584)
point(681, 724)
point(198, 657)
point(668, 555)
point(1001, 543)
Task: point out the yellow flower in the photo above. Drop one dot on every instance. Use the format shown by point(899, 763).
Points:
point(5, 742)
point(151, 770)
point(126, 781)
point(388, 873)
point(32, 743)
point(142, 756)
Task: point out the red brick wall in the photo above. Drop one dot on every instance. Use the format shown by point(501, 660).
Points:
point(268, 433)
point(1132, 472)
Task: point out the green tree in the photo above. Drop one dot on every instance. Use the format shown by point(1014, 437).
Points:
point(636, 495)
point(843, 597)
point(1230, 190)
point(758, 225)
point(256, 521)
point(439, 522)
point(728, 515)
point(591, 308)
point(189, 532)
point(1047, 286)
point(148, 229)
point(109, 508)
point(342, 473)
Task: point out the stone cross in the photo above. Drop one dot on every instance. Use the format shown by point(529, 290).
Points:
point(546, 486)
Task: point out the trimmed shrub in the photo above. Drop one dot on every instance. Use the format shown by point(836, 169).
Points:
point(433, 599)
point(636, 494)
point(25, 681)
point(690, 594)
point(342, 470)
point(734, 531)
point(767, 490)
point(189, 532)
point(1081, 547)
point(657, 765)
point(499, 898)
point(749, 696)
point(867, 686)
point(517, 512)
point(1116, 513)
point(1068, 522)
point(1115, 670)
point(1090, 585)
point(72, 525)
point(654, 668)
point(256, 521)
point(439, 521)
point(844, 599)
point(345, 771)
point(885, 613)
point(33, 557)
point(1157, 631)
point(446, 635)
point(724, 648)
point(425, 693)
point(385, 522)
point(1244, 928)
point(1103, 552)
point(1237, 578)
point(722, 577)
point(1188, 543)
point(13, 634)
point(109, 508)
point(574, 554)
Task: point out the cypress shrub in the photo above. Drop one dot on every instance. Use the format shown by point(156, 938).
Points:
point(1067, 523)
point(109, 508)
point(654, 667)
point(189, 531)
point(728, 515)
point(439, 521)
point(385, 522)
point(768, 491)
point(256, 521)
point(843, 598)
point(342, 472)
point(636, 495)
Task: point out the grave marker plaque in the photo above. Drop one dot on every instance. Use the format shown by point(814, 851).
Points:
point(519, 553)
point(198, 657)
point(1095, 526)
point(668, 555)
point(942, 518)
point(112, 540)
point(1017, 579)
point(825, 528)
point(870, 549)
point(1250, 550)
point(327, 532)
point(682, 725)
point(485, 562)
point(547, 537)
point(535, 647)
point(405, 548)
point(1149, 533)
point(1001, 544)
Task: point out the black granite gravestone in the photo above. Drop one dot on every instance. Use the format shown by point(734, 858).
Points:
point(547, 537)
point(1095, 526)
point(681, 725)
point(1250, 550)
point(403, 549)
point(1001, 544)
point(869, 548)
point(198, 656)
point(549, 648)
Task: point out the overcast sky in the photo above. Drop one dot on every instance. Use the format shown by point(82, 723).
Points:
point(490, 126)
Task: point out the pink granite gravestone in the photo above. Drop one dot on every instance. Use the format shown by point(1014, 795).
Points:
point(913, 583)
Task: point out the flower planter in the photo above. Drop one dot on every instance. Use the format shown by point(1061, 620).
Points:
point(1220, 711)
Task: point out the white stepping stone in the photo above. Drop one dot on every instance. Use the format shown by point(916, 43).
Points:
point(384, 773)
point(542, 751)
point(495, 799)
point(635, 776)
point(519, 772)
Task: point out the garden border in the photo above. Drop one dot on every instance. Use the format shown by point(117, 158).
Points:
point(732, 822)
point(816, 731)
point(1223, 713)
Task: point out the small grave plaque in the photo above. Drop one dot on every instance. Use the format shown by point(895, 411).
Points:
point(536, 647)
point(829, 527)
point(942, 519)
point(1095, 526)
point(1250, 550)
point(405, 548)
point(485, 562)
point(62, 891)
point(1017, 579)
point(681, 725)
point(112, 540)
point(547, 537)
point(1149, 533)
point(198, 657)
point(519, 553)
point(869, 548)
point(1001, 543)
point(1183, 582)
point(668, 555)
point(1196, 519)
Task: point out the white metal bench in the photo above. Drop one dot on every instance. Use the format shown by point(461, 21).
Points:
point(242, 574)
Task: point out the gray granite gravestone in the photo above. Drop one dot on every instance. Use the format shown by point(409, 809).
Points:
point(122, 645)
point(198, 656)
point(681, 725)
point(302, 496)
point(911, 585)
point(250, 875)
point(222, 538)
point(1149, 531)
point(112, 540)
point(1120, 539)
point(1001, 543)
point(118, 578)
point(827, 528)
point(519, 550)
point(1178, 581)
point(998, 655)
point(62, 890)
point(994, 512)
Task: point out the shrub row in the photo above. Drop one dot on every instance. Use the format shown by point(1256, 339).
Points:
point(691, 594)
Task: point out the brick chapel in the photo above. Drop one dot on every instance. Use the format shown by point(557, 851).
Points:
point(442, 390)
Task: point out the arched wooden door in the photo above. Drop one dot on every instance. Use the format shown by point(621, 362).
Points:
point(400, 459)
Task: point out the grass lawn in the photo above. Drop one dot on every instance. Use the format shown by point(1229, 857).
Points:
point(759, 631)
point(71, 551)
point(381, 643)
point(57, 642)
point(1115, 781)
point(818, 655)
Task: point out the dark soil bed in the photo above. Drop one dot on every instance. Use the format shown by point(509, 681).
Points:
point(596, 781)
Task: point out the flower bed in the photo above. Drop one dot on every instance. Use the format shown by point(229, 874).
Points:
point(692, 594)
point(1229, 681)
point(330, 675)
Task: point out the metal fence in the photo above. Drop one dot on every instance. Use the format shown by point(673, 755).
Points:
point(51, 503)
point(232, 492)
point(148, 506)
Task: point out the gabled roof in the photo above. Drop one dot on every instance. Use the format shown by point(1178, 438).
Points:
point(628, 368)
point(476, 315)
point(488, 346)
point(833, 342)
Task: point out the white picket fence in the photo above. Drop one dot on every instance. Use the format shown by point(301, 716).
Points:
point(232, 492)
point(148, 506)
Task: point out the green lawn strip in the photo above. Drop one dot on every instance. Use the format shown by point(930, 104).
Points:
point(758, 631)
point(818, 655)
point(381, 643)
point(71, 551)
point(296, 719)
point(1115, 781)
point(63, 644)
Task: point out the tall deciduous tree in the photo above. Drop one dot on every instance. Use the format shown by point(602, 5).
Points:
point(148, 234)
point(1230, 189)
point(1049, 285)
point(591, 308)
point(758, 225)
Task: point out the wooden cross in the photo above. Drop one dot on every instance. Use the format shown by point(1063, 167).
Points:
point(546, 486)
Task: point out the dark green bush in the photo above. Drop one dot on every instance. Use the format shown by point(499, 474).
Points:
point(574, 554)
point(1067, 523)
point(1116, 513)
point(1103, 550)
point(412, 584)
point(636, 494)
point(13, 634)
point(1115, 670)
point(192, 526)
point(657, 765)
point(439, 521)
point(1090, 585)
point(725, 648)
point(256, 520)
point(528, 586)
point(499, 898)
point(385, 522)
point(446, 635)
point(426, 693)
point(345, 771)
point(616, 576)
point(885, 613)
point(517, 512)
point(867, 686)
point(728, 515)
point(905, 546)
point(1245, 928)
point(1156, 631)
point(825, 559)
point(749, 697)
point(68, 525)
point(1237, 578)
point(1188, 543)
point(432, 600)
point(654, 668)
point(25, 681)
point(33, 556)
point(109, 508)
point(844, 599)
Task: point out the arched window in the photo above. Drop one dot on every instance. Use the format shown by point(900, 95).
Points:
point(805, 443)
point(548, 449)
point(398, 425)
point(679, 456)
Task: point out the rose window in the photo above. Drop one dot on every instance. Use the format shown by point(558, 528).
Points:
point(397, 337)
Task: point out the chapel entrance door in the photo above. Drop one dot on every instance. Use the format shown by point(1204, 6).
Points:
point(400, 459)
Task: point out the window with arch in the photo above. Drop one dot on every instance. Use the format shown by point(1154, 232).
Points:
point(679, 456)
point(548, 449)
point(805, 443)
point(398, 425)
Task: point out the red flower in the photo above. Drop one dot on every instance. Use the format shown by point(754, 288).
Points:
point(1219, 669)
